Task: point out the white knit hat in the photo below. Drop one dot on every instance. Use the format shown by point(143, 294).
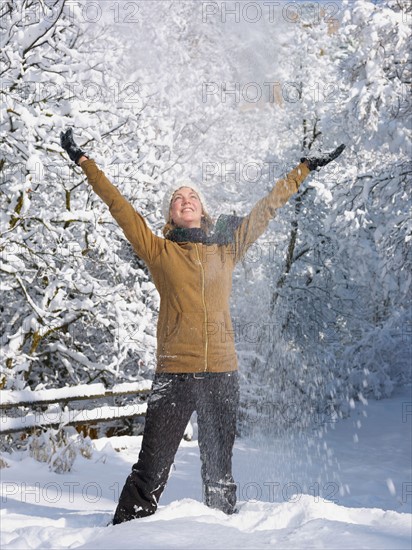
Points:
point(173, 188)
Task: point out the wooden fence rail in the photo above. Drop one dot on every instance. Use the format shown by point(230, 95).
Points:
point(23, 404)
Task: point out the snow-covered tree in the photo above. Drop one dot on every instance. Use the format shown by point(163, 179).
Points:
point(340, 303)
point(68, 273)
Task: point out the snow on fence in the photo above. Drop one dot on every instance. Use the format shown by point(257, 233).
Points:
point(60, 415)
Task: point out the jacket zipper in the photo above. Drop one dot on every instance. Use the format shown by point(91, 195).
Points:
point(204, 304)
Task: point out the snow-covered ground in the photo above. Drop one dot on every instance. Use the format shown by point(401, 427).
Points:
point(349, 488)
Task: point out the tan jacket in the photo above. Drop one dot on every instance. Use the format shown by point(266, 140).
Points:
point(194, 280)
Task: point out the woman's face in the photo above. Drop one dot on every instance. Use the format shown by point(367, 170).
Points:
point(186, 208)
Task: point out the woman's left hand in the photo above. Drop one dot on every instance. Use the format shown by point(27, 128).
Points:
point(322, 160)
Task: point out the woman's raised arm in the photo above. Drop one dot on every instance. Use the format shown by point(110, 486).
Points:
point(145, 243)
point(257, 221)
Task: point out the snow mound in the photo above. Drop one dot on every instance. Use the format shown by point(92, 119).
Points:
point(189, 524)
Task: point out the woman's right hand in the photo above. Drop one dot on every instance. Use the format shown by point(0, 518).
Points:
point(72, 149)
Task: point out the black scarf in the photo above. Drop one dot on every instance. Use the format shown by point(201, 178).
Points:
point(187, 235)
point(223, 232)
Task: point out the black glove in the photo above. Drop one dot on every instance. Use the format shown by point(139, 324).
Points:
point(322, 160)
point(68, 144)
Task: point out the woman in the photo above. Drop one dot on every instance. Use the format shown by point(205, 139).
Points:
point(196, 359)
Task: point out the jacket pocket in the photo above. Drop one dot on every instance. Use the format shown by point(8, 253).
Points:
point(172, 325)
point(219, 328)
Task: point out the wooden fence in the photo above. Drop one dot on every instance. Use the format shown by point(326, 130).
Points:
point(23, 411)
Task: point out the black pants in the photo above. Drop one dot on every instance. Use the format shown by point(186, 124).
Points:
point(173, 399)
